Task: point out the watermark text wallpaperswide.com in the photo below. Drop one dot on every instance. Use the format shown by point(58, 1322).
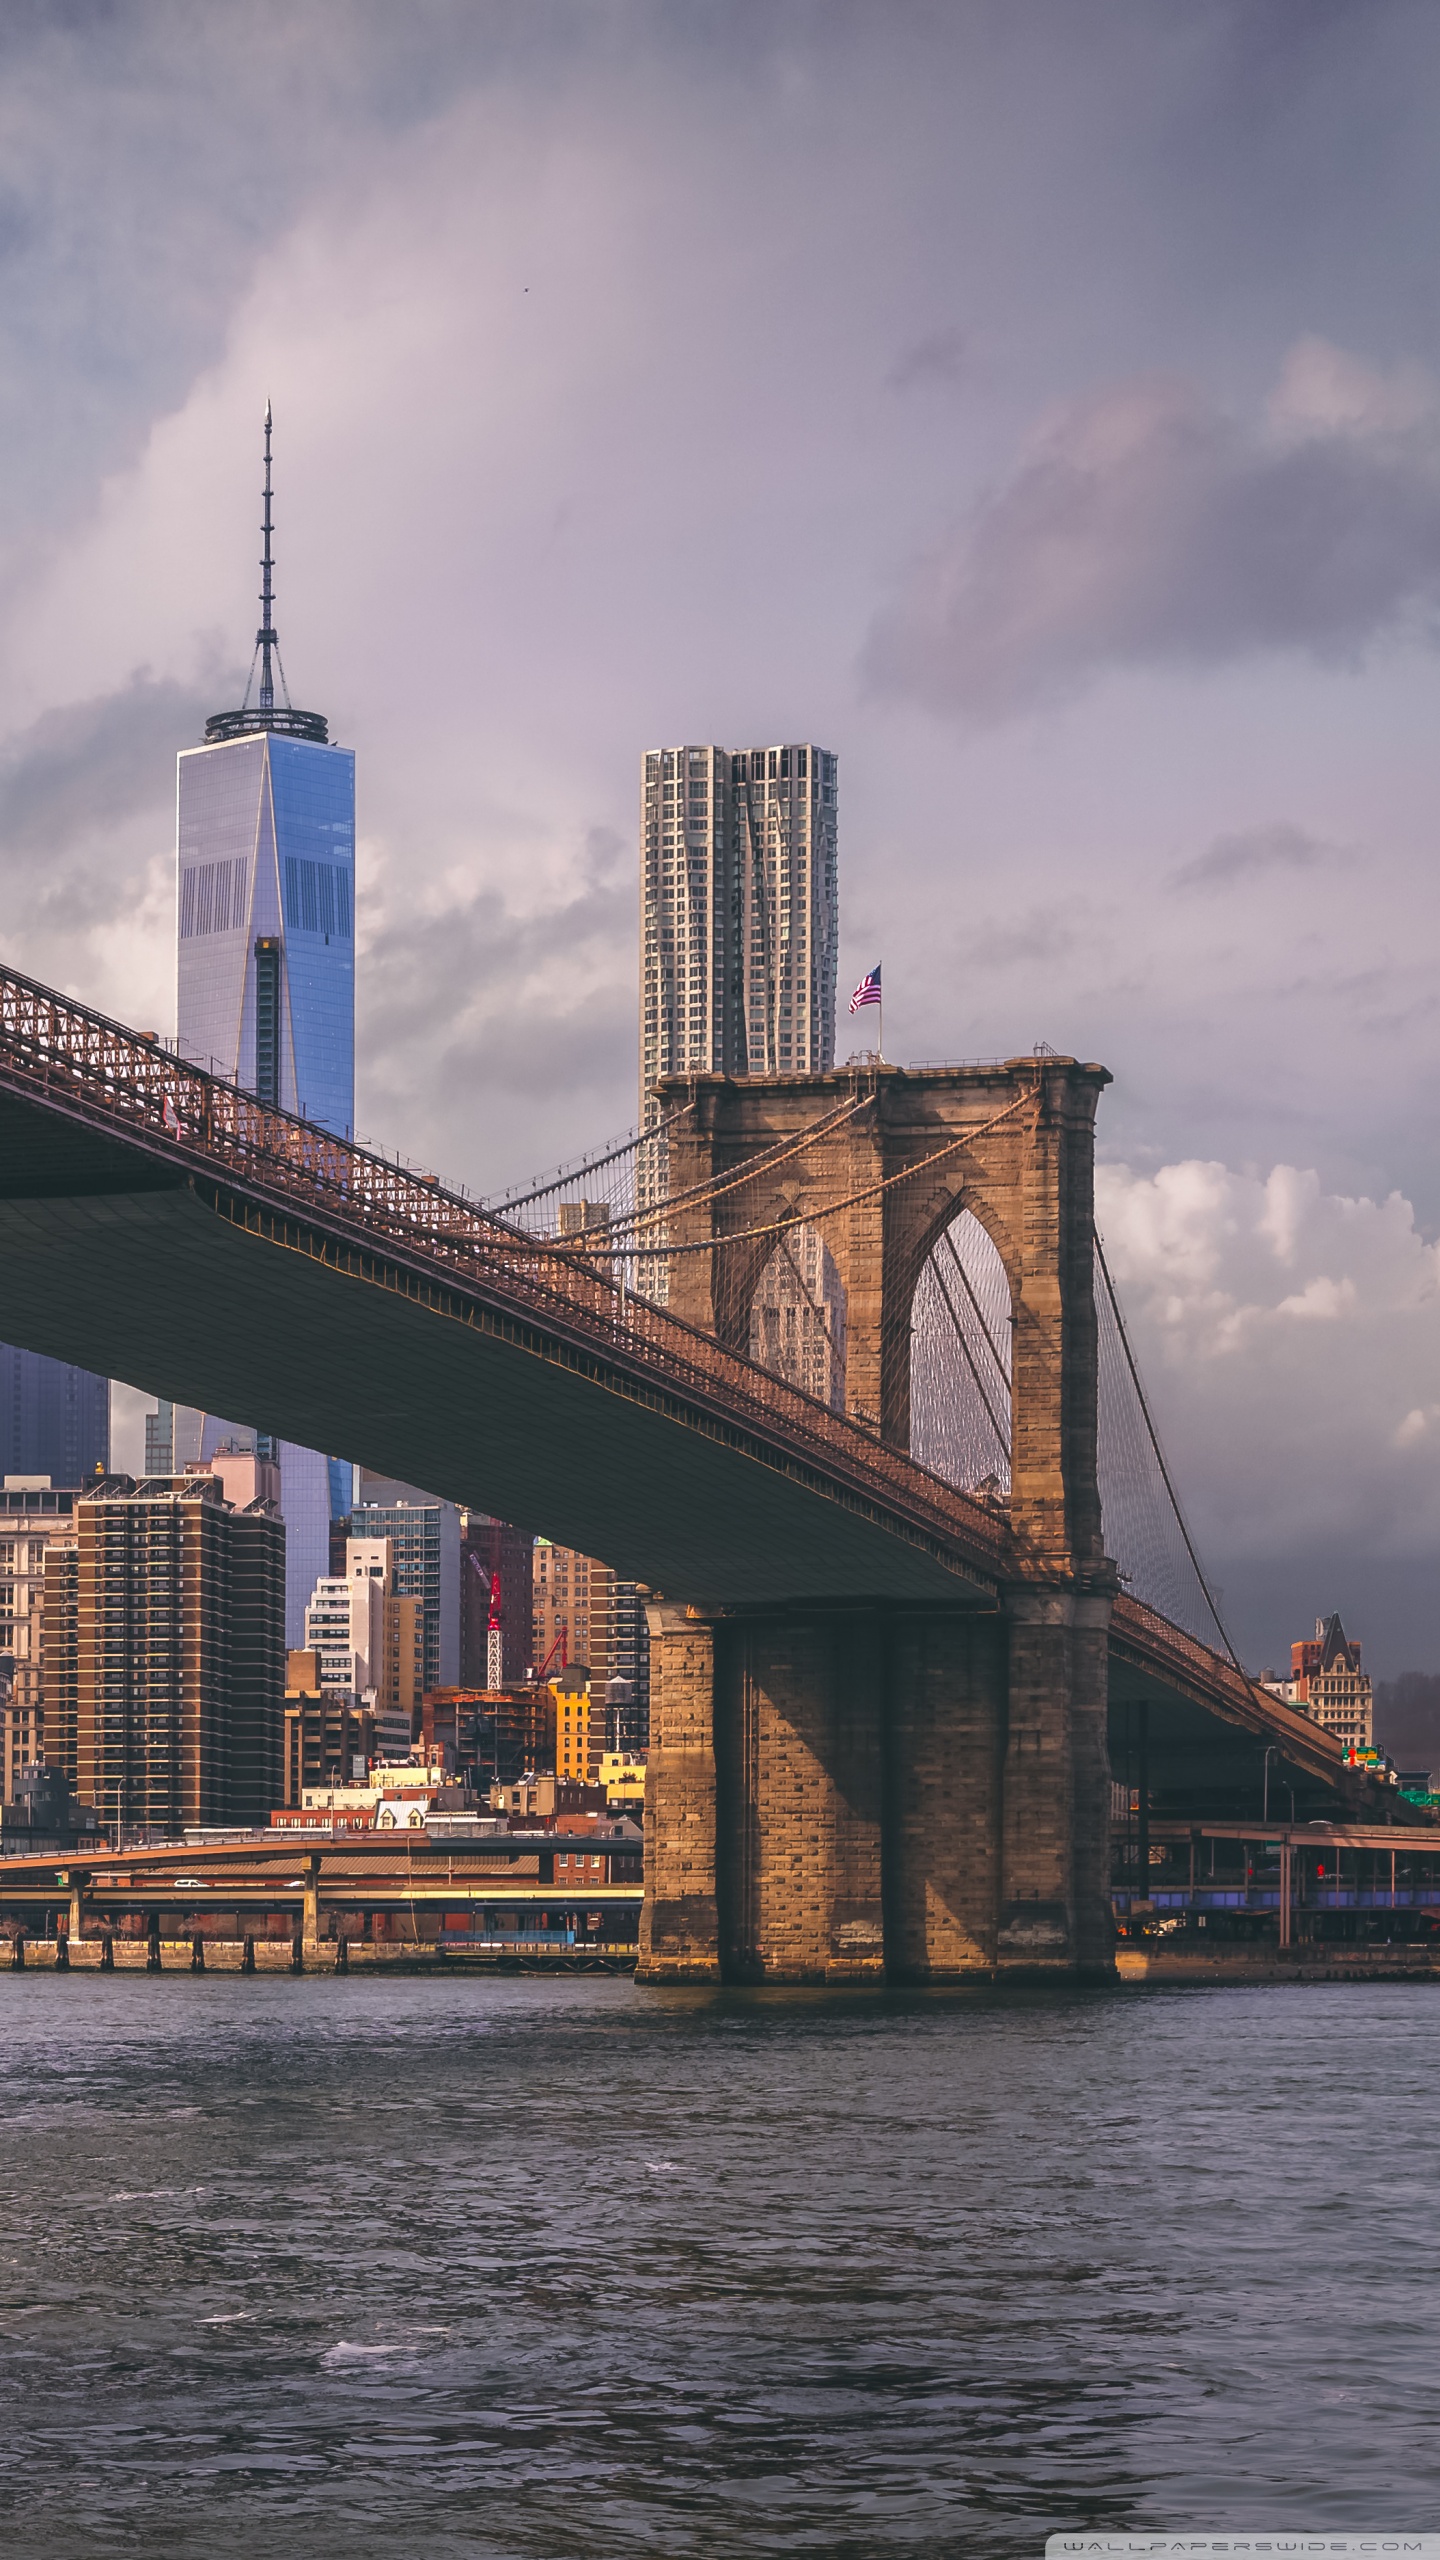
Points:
point(1243, 2546)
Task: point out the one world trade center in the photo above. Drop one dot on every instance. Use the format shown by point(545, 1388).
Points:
point(265, 863)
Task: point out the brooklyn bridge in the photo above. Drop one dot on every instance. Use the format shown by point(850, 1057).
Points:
point(831, 1364)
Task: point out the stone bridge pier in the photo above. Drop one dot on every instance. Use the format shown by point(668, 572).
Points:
point(878, 1789)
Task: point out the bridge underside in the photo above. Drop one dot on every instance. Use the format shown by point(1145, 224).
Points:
point(107, 1260)
point(1194, 1763)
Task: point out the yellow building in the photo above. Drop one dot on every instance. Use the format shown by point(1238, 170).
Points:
point(582, 1612)
point(579, 1726)
point(622, 1775)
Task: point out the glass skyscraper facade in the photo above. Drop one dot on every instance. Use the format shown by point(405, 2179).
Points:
point(265, 887)
point(265, 911)
point(739, 922)
point(54, 1418)
point(265, 830)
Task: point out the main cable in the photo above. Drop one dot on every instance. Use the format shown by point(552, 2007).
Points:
point(1165, 1475)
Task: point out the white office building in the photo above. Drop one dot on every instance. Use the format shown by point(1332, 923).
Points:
point(345, 1626)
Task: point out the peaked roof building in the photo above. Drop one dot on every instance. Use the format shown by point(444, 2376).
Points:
point(1327, 1680)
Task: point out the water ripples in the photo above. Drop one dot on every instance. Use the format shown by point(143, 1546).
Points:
point(531, 2271)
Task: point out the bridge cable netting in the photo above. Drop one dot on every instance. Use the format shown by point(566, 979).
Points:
point(960, 1358)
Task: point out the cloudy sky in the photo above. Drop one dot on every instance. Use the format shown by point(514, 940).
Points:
point(1037, 402)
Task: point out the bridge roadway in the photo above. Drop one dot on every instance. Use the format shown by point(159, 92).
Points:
point(165, 1227)
point(1236, 1873)
point(412, 1885)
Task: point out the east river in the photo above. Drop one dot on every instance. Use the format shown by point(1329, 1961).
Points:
point(499, 2268)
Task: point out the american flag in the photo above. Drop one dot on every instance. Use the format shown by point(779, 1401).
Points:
point(868, 991)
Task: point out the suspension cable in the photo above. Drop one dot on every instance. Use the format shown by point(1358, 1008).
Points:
point(812, 1217)
point(754, 1165)
point(565, 1175)
point(1002, 1437)
point(979, 1310)
point(816, 1305)
point(1165, 1475)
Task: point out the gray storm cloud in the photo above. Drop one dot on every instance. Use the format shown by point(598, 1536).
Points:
point(1279, 1325)
point(1253, 851)
point(1145, 525)
point(86, 815)
point(86, 764)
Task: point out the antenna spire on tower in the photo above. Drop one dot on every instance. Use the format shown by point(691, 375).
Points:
point(267, 638)
point(267, 659)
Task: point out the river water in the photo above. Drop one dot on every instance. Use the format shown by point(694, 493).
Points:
point(524, 2270)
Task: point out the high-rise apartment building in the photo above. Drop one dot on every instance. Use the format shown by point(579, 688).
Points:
point(797, 1317)
point(345, 1629)
point(584, 1613)
point(740, 916)
point(329, 1741)
point(54, 1418)
point(401, 1692)
point(265, 896)
point(368, 1641)
point(164, 1655)
point(424, 1541)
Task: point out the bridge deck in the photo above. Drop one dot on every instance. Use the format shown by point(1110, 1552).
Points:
point(162, 1225)
point(166, 1227)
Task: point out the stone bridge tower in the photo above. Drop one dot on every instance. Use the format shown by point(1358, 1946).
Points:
point(878, 1789)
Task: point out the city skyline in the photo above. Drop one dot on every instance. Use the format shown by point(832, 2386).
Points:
point(935, 1549)
point(1175, 813)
